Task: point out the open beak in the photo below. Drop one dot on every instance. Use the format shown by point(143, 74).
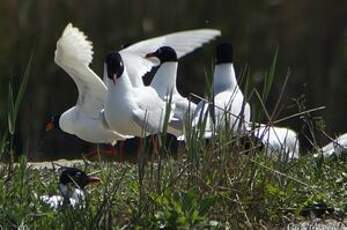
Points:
point(93, 179)
point(49, 126)
point(153, 58)
point(150, 55)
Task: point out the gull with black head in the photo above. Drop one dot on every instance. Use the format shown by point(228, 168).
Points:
point(74, 53)
point(164, 82)
point(137, 111)
point(228, 100)
point(72, 182)
point(86, 119)
point(230, 107)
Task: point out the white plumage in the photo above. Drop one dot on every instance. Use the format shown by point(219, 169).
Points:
point(202, 119)
point(72, 181)
point(279, 142)
point(182, 42)
point(164, 82)
point(55, 201)
point(230, 105)
point(337, 146)
point(137, 111)
point(150, 115)
point(230, 108)
point(74, 54)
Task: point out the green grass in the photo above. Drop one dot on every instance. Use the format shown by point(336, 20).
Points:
point(224, 189)
point(211, 186)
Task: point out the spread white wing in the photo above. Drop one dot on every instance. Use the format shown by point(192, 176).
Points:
point(183, 42)
point(74, 53)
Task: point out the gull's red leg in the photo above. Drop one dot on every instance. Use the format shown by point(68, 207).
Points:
point(121, 151)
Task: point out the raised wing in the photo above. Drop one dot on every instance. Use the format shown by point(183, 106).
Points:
point(183, 42)
point(74, 53)
point(137, 66)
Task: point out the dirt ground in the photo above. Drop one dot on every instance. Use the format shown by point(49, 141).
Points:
point(50, 164)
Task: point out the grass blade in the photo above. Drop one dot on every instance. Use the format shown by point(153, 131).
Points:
point(23, 87)
point(11, 109)
point(269, 77)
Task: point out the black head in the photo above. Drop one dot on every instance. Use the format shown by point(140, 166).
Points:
point(115, 65)
point(224, 53)
point(52, 123)
point(76, 177)
point(164, 54)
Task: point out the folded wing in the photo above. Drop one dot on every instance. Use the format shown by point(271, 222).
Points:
point(151, 111)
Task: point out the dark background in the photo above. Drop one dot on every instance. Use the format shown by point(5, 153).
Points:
point(311, 36)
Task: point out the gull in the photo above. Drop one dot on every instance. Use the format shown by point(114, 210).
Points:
point(279, 142)
point(164, 82)
point(337, 146)
point(136, 111)
point(229, 106)
point(72, 182)
point(74, 54)
point(86, 119)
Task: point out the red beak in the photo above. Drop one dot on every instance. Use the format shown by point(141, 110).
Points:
point(150, 55)
point(93, 179)
point(49, 126)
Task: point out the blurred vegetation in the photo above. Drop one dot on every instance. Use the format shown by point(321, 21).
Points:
point(311, 36)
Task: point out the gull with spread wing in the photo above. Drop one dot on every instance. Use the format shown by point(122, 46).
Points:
point(86, 119)
point(74, 54)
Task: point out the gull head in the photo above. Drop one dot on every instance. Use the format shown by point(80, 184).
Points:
point(73, 179)
point(164, 54)
point(224, 53)
point(114, 65)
